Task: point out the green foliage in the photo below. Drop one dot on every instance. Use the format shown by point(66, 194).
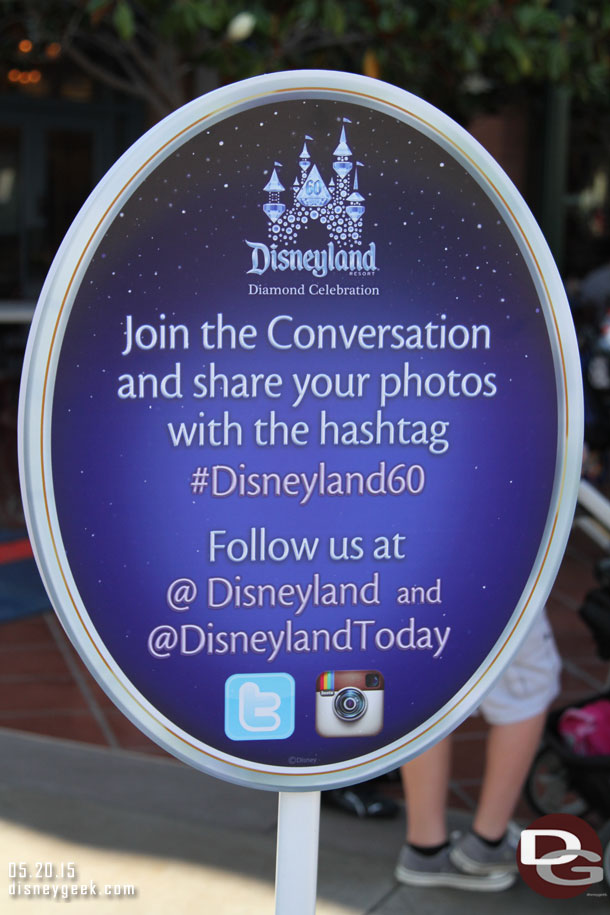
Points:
point(459, 54)
point(124, 21)
point(187, 17)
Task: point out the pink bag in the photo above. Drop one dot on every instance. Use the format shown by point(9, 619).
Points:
point(586, 730)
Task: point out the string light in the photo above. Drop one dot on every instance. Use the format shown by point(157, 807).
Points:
point(24, 77)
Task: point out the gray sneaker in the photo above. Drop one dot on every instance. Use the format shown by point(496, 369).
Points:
point(472, 856)
point(416, 869)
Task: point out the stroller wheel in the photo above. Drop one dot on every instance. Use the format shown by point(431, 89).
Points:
point(549, 788)
point(604, 836)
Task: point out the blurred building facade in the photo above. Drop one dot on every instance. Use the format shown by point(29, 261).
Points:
point(59, 133)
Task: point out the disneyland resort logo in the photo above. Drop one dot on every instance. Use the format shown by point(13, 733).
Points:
point(337, 205)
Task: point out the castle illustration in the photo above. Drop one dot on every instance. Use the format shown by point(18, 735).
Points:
point(338, 205)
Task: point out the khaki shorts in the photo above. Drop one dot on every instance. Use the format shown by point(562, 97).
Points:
point(531, 681)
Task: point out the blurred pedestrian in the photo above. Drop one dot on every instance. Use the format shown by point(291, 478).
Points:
point(484, 857)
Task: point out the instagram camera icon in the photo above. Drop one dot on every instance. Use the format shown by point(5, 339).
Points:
point(349, 703)
point(259, 706)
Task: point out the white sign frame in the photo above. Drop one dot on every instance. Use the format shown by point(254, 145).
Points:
point(50, 321)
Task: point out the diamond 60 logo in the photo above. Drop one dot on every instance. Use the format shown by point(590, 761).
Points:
point(559, 856)
point(334, 203)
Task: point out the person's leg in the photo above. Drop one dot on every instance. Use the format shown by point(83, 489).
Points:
point(424, 859)
point(426, 782)
point(490, 845)
point(510, 751)
point(516, 709)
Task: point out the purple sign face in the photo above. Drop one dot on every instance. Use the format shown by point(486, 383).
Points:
point(300, 441)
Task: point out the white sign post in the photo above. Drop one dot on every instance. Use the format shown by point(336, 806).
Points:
point(296, 873)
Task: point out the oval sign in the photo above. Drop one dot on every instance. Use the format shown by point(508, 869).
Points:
point(300, 429)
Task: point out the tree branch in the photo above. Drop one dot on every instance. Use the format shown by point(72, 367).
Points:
point(98, 72)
